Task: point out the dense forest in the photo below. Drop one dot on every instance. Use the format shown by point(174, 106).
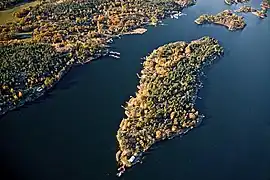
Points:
point(79, 28)
point(27, 67)
point(86, 25)
point(225, 18)
point(164, 103)
point(64, 32)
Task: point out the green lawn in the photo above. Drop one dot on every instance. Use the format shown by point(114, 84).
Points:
point(7, 15)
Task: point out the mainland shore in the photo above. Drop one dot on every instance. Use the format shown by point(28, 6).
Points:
point(80, 36)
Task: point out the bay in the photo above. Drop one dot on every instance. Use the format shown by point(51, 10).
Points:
point(70, 133)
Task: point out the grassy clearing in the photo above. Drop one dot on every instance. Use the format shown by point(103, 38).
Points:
point(7, 15)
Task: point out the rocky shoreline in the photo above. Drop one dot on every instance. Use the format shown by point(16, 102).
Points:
point(225, 18)
point(164, 103)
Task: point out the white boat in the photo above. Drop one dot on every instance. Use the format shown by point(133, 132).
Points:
point(114, 52)
point(119, 174)
point(114, 56)
point(110, 41)
point(175, 16)
point(181, 14)
point(39, 89)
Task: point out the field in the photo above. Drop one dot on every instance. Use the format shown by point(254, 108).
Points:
point(7, 15)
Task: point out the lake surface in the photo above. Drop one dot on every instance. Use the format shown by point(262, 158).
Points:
point(70, 134)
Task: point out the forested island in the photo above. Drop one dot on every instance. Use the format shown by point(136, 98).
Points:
point(230, 2)
point(46, 39)
point(231, 20)
point(247, 9)
point(262, 12)
point(225, 18)
point(163, 106)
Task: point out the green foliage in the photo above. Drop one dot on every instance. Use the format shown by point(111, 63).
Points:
point(164, 105)
point(23, 66)
point(48, 81)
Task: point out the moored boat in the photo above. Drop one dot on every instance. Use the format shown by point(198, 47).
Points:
point(114, 52)
point(39, 89)
point(114, 56)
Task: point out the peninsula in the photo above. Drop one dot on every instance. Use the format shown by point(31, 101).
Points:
point(163, 106)
point(225, 18)
point(76, 31)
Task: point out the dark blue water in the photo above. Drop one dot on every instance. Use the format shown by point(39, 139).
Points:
point(70, 134)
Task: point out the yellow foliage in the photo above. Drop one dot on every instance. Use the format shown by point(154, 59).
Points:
point(158, 134)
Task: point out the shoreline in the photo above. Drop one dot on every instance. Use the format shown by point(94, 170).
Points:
point(38, 95)
point(141, 29)
point(199, 120)
point(226, 18)
point(157, 88)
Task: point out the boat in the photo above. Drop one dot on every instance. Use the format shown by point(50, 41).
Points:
point(110, 40)
point(114, 56)
point(135, 158)
point(121, 171)
point(114, 52)
point(228, 2)
point(39, 89)
point(119, 174)
point(175, 16)
point(181, 14)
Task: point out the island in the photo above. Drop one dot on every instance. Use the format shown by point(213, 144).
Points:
point(261, 13)
point(246, 9)
point(163, 106)
point(225, 18)
point(230, 2)
point(265, 5)
point(45, 39)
